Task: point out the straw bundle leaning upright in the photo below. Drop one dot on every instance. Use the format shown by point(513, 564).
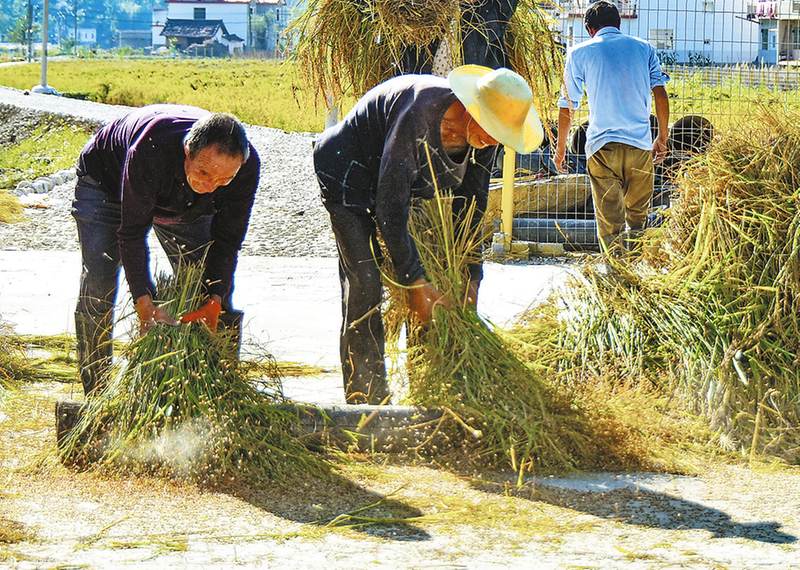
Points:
point(736, 236)
point(512, 415)
point(712, 318)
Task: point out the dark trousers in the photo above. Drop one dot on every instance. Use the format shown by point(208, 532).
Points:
point(361, 340)
point(98, 220)
point(483, 31)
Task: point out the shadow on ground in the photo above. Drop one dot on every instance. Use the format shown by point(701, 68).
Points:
point(335, 501)
point(647, 508)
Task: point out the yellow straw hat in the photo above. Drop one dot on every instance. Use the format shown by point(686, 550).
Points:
point(501, 102)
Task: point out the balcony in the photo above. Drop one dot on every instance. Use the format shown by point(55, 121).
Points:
point(762, 11)
point(577, 8)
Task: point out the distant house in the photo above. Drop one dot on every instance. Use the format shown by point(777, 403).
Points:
point(257, 24)
point(779, 31)
point(136, 39)
point(159, 20)
point(683, 31)
point(86, 36)
point(209, 34)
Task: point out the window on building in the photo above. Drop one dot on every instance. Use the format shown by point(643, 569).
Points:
point(199, 13)
point(795, 6)
point(662, 39)
point(708, 6)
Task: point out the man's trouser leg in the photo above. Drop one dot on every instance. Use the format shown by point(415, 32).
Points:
point(184, 243)
point(98, 220)
point(622, 187)
point(94, 350)
point(189, 243)
point(361, 341)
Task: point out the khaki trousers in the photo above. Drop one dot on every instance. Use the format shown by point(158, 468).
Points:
point(622, 186)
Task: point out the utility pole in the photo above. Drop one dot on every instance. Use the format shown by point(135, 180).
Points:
point(75, 11)
point(43, 87)
point(29, 31)
point(250, 25)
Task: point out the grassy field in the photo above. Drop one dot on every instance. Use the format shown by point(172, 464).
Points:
point(270, 93)
point(259, 92)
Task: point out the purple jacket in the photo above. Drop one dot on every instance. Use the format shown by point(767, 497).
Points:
point(138, 160)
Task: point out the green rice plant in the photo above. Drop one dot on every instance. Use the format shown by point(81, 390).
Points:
point(258, 92)
point(180, 401)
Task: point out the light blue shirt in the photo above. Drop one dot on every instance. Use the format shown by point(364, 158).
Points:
point(619, 73)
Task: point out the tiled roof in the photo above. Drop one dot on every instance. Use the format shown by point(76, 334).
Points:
point(192, 28)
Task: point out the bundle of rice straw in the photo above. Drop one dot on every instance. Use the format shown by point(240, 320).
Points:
point(735, 238)
point(349, 46)
point(179, 401)
point(14, 366)
point(463, 366)
point(712, 318)
point(10, 208)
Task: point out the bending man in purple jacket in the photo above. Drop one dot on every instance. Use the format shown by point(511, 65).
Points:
point(188, 174)
point(372, 164)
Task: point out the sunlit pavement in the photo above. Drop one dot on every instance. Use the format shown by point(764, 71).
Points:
point(291, 305)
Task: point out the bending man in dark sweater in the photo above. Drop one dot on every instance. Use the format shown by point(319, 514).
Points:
point(188, 174)
point(374, 162)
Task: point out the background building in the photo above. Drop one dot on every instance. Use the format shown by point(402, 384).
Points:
point(696, 32)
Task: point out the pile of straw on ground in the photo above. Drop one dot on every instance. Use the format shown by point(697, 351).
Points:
point(710, 317)
point(10, 208)
point(178, 400)
point(501, 390)
point(14, 365)
point(349, 46)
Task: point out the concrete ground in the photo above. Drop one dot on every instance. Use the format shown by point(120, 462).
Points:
point(729, 517)
point(291, 305)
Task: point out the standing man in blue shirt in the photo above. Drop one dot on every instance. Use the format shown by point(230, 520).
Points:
point(618, 72)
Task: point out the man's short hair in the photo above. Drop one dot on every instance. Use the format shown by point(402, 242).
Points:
point(220, 129)
point(601, 14)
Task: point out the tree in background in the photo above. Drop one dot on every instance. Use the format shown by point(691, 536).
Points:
point(17, 33)
point(10, 13)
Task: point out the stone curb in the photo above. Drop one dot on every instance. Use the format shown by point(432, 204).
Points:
point(44, 184)
point(379, 429)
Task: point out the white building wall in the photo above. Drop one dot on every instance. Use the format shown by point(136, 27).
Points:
point(715, 29)
point(86, 36)
point(233, 14)
point(159, 19)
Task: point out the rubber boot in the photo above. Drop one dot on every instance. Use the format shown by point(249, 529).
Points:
point(95, 350)
point(365, 383)
point(231, 321)
point(632, 241)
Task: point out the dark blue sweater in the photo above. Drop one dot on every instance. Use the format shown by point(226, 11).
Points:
point(375, 161)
